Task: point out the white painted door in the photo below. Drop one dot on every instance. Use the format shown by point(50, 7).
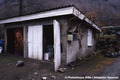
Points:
point(57, 48)
point(35, 39)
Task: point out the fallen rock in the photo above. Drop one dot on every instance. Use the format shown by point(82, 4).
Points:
point(119, 53)
point(21, 79)
point(20, 64)
point(50, 74)
point(72, 64)
point(35, 73)
point(62, 70)
point(44, 78)
point(53, 77)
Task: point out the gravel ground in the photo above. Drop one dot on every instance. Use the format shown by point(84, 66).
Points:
point(8, 70)
point(112, 72)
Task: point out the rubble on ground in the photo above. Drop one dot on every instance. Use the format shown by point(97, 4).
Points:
point(44, 78)
point(53, 77)
point(62, 70)
point(20, 63)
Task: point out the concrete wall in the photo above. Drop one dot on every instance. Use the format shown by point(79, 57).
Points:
point(85, 49)
point(72, 50)
point(79, 48)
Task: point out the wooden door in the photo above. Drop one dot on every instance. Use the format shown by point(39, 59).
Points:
point(18, 42)
point(35, 40)
point(57, 48)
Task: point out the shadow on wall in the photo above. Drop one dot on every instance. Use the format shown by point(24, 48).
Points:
point(1, 32)
point(1, 36)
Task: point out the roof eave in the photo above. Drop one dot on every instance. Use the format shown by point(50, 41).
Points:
point(78, 14)
point(46, 14)
point(53, 13)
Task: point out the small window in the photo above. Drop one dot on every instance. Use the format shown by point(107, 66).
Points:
point(89, 37)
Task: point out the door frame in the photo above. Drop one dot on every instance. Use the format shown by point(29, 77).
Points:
point(6, 38)
point(57, 46)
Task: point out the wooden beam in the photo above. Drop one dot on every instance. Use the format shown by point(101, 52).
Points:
point(78, 14)
point(5, 38)
point(91, 23)
point(25, 41)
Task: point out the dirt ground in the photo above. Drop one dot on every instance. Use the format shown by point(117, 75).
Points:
point(9, 71)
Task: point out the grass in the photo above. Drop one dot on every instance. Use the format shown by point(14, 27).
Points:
point(97, 64)
point(7, 58)
point(93, 66)
point(112, 36)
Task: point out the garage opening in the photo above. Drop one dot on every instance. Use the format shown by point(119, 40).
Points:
point(48, 42)
point(15, 41)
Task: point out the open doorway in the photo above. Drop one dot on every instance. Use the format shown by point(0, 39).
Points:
point(41, 39)
point(48, 42)
point(15, 41)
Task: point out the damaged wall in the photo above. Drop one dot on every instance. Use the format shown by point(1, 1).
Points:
point(79, 48)
point(85, 49)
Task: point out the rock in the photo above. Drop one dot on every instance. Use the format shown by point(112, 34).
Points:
point(20, 64)
point(53, 77)
point(119, 53)
point(113, 54)
point(44, 78)
point(62, 70)
point(50, 74)
point(72, 64)
point(21, 79)
point(116, 54)
point(35, 73)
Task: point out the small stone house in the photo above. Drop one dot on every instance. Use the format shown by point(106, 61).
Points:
point(64, 31)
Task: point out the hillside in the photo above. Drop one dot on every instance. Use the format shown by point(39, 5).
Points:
point(101, 12)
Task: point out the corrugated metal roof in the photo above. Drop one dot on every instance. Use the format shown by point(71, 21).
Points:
point(106, 13)
point(43, 10)
point(52, 13)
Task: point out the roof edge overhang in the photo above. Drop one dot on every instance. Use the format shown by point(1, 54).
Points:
point(52, 13)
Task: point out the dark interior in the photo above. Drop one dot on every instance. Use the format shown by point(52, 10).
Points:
point(15, 46)
point(48, 40)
